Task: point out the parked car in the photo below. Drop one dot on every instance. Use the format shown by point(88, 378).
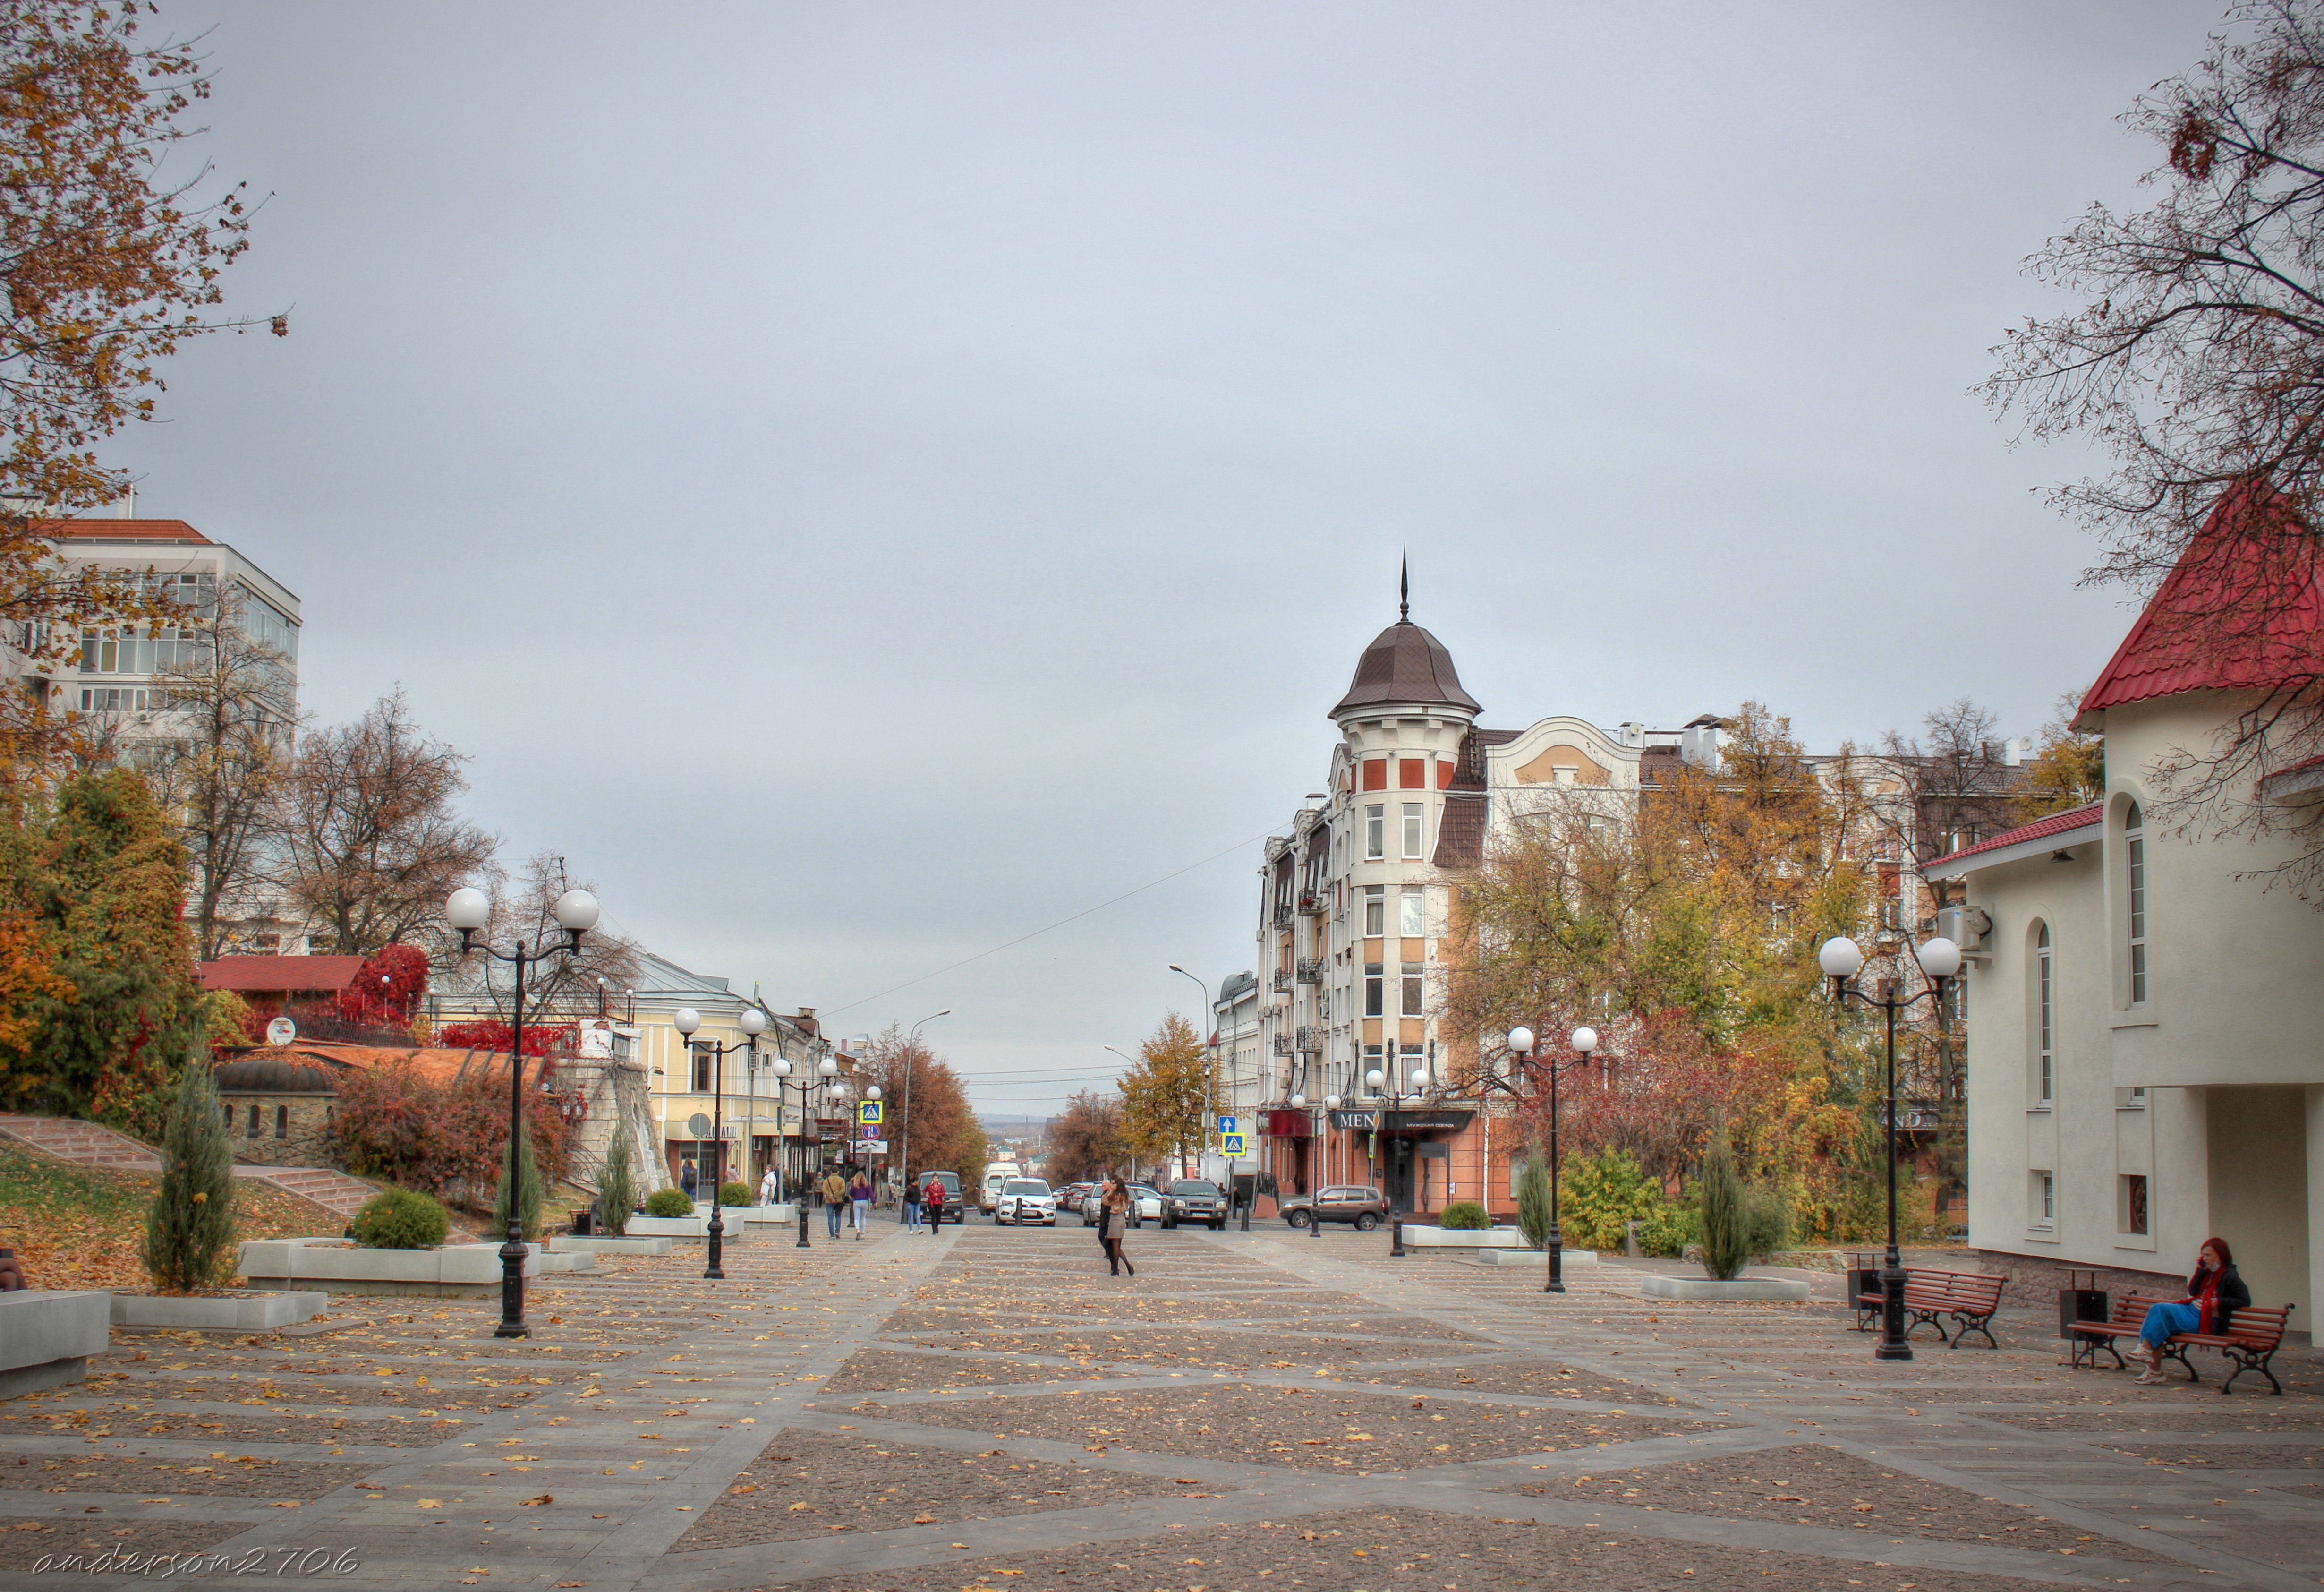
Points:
point(1144, 1204)
point(1365, 1208)
point(955, 1211)
point(1026, 1202)
point(1071, 1195)
point(1194, 1200)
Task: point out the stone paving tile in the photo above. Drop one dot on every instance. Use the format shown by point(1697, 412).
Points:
point(26, 1542)
point(809, 1485)
point(878, 1370)
point(235, 1474)
point(1338, 1430)
point(2212, 1456)
point(225, 1426)
point(1811, 1485)
point(130, 1393)
point(1402, 1550)
point(2133, 1418)
point(1541, 1378)
point(1219, 1349)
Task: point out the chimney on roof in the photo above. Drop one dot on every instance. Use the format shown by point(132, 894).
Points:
point(1701, 741)
point(805, 1020)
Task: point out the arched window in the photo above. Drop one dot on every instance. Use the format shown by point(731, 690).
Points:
point(2045, 1020)
point(2134, 850)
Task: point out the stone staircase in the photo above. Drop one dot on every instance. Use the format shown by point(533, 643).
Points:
point(86, 1144)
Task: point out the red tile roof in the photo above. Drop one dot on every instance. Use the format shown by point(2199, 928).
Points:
point(123, 531)
point(2041, 828)
point(281, 975)
point(2242, 610)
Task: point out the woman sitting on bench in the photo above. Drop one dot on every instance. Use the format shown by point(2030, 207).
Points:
point(2214, 1293)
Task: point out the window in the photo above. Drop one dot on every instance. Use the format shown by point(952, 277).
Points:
point(1412, 830)
point(1375, 910)
point(1374, 992)
point(282, 1121)
point(1412, 990)
point(2134, 1204)
point(1375, 832)
point(2044, 1198)
point(2045, 1020)
point(700, 1069)
point(1407, 1064)
point(250, 1131)
point(2134, 850)
point(1412, 916)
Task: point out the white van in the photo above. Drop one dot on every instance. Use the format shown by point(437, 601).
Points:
point(996, 1172)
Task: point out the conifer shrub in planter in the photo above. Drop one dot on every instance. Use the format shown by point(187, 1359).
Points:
point(402, 1218)
point(617, 1186)
point(189, 1244)
point(529, 1195)
point(1533, 1201)
point(669, 1202)
point(1742, 1221)
point(1465, 1216)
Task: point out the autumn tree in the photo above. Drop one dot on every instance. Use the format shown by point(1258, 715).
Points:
point(2194, 357)
point(109, 265)
point(1957, 785)
point(523, 907)
point(928, 1116)
point(2068, 769)
point(1085, 1139)
point(369, 842)
point(1166, 1096)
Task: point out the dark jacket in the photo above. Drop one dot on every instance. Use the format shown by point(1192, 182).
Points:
point(2232, 1295)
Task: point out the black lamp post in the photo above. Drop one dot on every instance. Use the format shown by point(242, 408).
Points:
point(753, 1023)
point(1842, 960)
point(1314, 1181)
point(825, 1069)
point(1522, 1051)
point(468, 911)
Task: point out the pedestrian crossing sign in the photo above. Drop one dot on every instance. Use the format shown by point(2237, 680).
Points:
point(867, 1113)
point(1233, 1144)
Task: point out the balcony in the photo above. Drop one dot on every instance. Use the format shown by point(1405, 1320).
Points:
point(1281, 982)
point(1310, 1040)
point(1281, 1044)
point(1310, 970)
point(1283, 914)
point(1315, 901)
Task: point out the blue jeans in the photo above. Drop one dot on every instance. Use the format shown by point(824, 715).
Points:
point(830, 1213)
point(2164, 1319)
point(911, 1215)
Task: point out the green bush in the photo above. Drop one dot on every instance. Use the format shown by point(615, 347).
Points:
point(1601, 1196)
point(402, 1218)
point(189, 1227)
point(669, 1202)
point(1740, 1220)
point(1533, 1201)
point(1465, 1216)
point(735, 1193)
point(1667, 1232)
point(617, 1184)
point(529, 1195)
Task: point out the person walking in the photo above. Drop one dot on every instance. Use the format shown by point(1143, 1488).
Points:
point(859, 1194)
point(834, 1199)
point(934, 1193)
point(2214, 1294)
point(1112, 1221)
point(686, 1178)
point(768, 1188)
point(911, 1206)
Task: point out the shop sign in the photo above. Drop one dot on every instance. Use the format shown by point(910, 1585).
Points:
point(1362, 1122)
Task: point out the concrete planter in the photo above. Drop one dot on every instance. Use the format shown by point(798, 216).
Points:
point(46, 1337)
point(1743, 1290)
point(457, 1270)
point(694, 1228)
point(1419, 1236)
point(606, 1244)
point(252, 1312)
point(766, 1215)
point(1536, 1258)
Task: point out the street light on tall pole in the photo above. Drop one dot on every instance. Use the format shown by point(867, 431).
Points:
point(753, 1023)
point(911, 1052)
point(825, 1069)
point(1522, 1050)
point(1133, 1061)
point(1209, 1114)
point(468, 911)
point(1842, 960)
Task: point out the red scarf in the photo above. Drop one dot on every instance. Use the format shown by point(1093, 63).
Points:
point(2204, 1289)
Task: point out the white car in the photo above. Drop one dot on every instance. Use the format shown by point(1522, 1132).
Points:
point(1026, 1201)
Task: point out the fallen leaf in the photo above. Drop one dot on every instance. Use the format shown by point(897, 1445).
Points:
point(535, 1503)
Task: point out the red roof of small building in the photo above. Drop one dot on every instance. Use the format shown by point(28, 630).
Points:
point(281, 975)
point(123, 531)
point(2041, 828)
point(2242, 609)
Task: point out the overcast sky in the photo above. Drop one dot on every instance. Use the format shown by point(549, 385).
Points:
point(864, 482)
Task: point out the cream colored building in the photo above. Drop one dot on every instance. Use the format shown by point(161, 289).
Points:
point(2148, 1019)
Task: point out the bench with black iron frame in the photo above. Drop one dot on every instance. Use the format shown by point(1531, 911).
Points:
point(2253, 1336)
point(1968, 1298)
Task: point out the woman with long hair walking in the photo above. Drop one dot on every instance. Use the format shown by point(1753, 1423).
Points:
point(1113, 1220)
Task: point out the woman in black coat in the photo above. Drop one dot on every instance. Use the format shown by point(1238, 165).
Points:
point(2214, 1294)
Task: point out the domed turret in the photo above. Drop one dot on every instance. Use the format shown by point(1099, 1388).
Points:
point(1405, 667)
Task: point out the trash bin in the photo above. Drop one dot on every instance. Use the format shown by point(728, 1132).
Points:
point(584, 1222)
point(2081, 1300)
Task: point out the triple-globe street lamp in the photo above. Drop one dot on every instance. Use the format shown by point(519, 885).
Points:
point(470, 911)
point(1842, 959)
point(1373, 1080)
point(1321, 1177)
point(753, 1023)
point(825, 1069)
point(1522, 1050)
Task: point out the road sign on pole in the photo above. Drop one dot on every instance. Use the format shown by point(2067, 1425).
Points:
point(867, 1114)
point(1226, 1124)
point(1232, 1144)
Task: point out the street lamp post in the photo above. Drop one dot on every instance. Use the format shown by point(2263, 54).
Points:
point(1584, 1040)
point(826, 1068)
point(468, 911)
point(1209, 1114)
point(1842, 960)
point(753, 1022)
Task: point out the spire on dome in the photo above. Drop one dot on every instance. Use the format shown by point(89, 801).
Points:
point(1404, 592)
point(1405, 666)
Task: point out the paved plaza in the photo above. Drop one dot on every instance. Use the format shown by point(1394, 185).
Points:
point(989, 1410)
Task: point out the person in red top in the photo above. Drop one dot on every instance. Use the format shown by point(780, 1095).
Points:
point(2214, 1293)
point(933, 1196)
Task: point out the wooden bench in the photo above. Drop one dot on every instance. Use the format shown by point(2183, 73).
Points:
point(1970, 1298)
point(2253, 1336)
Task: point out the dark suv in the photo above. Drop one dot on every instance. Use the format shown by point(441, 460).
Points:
point(1364, 1208)
point(1192, 1199)
point(954, 1210)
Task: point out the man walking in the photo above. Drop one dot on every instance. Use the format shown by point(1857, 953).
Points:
point(834, 1199)
point(911, 1206)
point(768, 1189)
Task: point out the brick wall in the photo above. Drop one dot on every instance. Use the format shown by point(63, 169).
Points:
point(306, 1143)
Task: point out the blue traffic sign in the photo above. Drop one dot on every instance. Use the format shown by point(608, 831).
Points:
point(1226, 1124)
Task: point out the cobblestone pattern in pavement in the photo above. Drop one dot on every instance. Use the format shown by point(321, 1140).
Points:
point(1250, 1412)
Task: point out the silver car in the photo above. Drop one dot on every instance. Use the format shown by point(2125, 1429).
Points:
point(1144, 1204)
point(1026, 1202)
